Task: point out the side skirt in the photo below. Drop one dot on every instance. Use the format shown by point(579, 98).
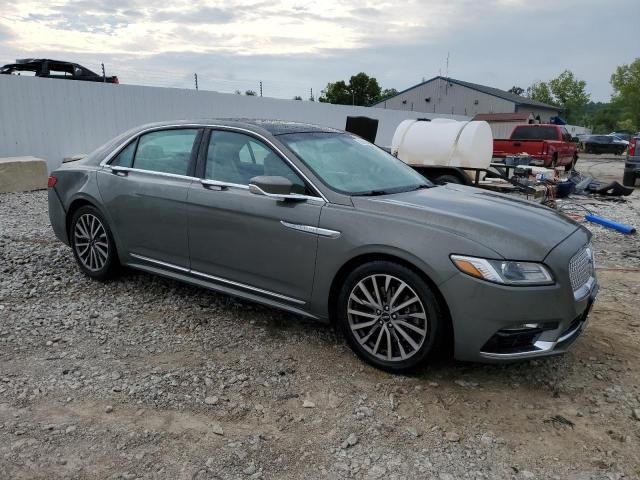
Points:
point(186, 277)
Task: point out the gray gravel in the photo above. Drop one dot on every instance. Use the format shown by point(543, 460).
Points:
point(143, 377)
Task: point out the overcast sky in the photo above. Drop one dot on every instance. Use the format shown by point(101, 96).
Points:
point(295, 45)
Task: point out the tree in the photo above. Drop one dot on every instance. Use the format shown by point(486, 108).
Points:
point(387, 93)
point(250, 93)
point(540, 92)
point(626, 86)
point(297, 97)
point(570, 94)
point(516, 90)
point(361, 90)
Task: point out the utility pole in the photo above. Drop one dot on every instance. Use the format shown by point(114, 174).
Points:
point(311, 96)
point(195, 77)
point(104, 77)
point(260, 87)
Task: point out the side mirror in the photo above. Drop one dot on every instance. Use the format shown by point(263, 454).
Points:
point(279, 188)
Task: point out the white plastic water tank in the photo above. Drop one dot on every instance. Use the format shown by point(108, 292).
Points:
point(443, 142)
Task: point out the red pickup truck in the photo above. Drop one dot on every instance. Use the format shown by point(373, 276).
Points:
point(550, 145)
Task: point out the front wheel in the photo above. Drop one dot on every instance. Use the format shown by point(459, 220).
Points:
point(92, 243)
point(390, 316)
point(572, 165)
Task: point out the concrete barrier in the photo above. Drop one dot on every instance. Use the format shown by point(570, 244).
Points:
point(22, 174)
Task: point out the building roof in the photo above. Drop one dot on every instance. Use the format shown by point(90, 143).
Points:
point(496, 92)
point(504, 117)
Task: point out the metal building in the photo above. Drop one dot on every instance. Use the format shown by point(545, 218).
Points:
point(454, 97)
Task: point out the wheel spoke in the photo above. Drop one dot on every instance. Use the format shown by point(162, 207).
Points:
point(406, 336)
point(377, 345)
point(403, 354)
point(364, 290)
point(408, 325)
point(389, 348)
point(359, 326)
point(376, 290)
point(392, 302)
point(366, 338)
point(363, 314)
point(405, 304)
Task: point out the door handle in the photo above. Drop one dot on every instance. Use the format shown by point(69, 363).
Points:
point(120, 171)
point(213, 184)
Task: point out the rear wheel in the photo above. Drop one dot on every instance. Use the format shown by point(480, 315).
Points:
point(92, 243)
point(629, 179)
point(572, 165)
point(389, 316)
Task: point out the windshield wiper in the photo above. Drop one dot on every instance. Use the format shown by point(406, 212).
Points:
point(421, 186)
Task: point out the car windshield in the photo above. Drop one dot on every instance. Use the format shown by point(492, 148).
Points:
point(351, 165)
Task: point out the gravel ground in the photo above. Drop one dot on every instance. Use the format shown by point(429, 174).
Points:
point(143, 377)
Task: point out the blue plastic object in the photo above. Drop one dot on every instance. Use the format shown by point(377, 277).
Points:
point(620, 227)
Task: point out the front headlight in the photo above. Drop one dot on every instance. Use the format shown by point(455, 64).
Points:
point(504, 271)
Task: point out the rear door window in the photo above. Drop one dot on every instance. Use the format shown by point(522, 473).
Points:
point(166, 151)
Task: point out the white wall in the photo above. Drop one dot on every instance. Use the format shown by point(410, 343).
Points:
point(53, 119)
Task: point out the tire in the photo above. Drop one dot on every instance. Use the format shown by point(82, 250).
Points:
point(629, 179)
point(448, 179)
point(554, 161)
point(423, 321)
point(92, 244)
point(572, 165)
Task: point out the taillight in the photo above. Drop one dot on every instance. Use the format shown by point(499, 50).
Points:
point(52, 181)
point(632, 146)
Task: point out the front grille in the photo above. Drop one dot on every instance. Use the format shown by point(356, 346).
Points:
point(581, 268)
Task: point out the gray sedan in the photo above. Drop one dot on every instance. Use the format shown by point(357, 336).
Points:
point(321, 223)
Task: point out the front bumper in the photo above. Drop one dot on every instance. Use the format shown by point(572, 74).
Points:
point(495, 323)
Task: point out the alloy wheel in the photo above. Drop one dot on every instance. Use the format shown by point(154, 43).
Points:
point(387, 317)
point(91, 242)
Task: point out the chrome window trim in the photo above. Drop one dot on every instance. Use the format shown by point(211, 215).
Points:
point(119, 148)
point(217, 279)
point(118, 168)
point(322, 232)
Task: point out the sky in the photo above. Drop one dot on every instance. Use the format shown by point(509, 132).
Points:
point(293, 46)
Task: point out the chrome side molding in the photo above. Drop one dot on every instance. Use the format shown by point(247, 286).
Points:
point(216, 279)
point(323, 232)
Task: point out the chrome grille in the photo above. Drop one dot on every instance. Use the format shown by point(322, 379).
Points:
point(581, 267)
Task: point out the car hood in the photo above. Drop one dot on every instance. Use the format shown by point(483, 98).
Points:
point(515, 229)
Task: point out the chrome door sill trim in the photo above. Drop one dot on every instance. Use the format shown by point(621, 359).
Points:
point(217, 279)
point(158, 262)
point(323, 232)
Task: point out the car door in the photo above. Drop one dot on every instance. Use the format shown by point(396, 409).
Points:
point(251, 241)
point(144, 189)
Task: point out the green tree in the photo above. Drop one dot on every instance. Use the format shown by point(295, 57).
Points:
point(626, 86)
point(570, 94)
point(297, 97)
point(540, 92)
point(387, 93)
point(361, 90)
point(516, 90)
point(250, 93)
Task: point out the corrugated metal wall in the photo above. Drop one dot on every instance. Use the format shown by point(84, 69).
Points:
point(448, 98)
point(53, 119)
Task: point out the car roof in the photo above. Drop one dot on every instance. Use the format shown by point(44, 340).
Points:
point(273, 127)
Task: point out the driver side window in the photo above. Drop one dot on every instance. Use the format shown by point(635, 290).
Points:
point(236, 158)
